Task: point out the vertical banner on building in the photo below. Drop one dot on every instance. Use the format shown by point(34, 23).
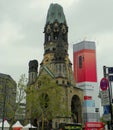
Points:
point(85, 59)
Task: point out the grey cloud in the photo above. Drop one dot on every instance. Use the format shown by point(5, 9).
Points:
point(85, 18)
point(91, 16)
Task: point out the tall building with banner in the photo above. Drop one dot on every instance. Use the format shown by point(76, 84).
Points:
point(85, 74)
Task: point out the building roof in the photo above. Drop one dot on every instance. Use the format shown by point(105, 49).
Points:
point(55, 12)
point(7, 77)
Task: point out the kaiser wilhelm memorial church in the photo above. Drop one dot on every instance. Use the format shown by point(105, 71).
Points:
point(57, 65)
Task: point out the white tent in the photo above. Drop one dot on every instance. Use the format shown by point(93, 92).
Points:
point(6, 125)
point(29, 126)
point(17, 124)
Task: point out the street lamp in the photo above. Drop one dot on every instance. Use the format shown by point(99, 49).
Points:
point(97, 113)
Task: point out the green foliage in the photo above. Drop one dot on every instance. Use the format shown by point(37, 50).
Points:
point(20, 98)
point(45, 99)
point(13, 95)
point(21, 88)
point(102, 118)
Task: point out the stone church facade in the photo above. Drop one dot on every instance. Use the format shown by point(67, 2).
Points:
point(57, 65)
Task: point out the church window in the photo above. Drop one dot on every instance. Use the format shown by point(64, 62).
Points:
point(56, 81)
point(60, 58)
point(62, 81)
point(68, 83)
point(32, 76)
point(56, 37)
point(59, 67)
point(70, 91)
point(49, 38)
point(54, 49)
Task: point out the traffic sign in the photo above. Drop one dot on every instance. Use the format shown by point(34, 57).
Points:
point(106, 115)
point(105, 98)
point(104, 84)
point(110, 70)
point(110, 77)
point(106, 109)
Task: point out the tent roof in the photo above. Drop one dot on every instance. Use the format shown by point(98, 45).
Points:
point(29, 126)
point(17, 124)
point(6, 124)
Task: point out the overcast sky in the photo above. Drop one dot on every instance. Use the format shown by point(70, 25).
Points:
point(22, 24)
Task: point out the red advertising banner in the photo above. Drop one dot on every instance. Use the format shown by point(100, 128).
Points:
point(94, 125)
point(87, 97)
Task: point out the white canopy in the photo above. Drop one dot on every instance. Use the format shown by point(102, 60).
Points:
point(6, 124)
point(17, 124)
point(29, 126)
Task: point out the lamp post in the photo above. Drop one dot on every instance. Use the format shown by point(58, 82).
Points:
point(97, 113)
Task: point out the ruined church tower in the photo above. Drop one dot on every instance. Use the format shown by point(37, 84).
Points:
point(56, 62)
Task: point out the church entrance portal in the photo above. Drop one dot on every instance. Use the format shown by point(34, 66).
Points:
point(76, 109)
